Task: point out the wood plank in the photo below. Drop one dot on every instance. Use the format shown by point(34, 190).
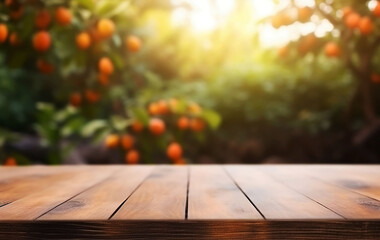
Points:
point(362, 179)
point(344, 202)
point(190, 229)
point(161, 196)
point(213, 195)
point(100, 201)
point(274, 199)
point(34, 205)
point(19, 184)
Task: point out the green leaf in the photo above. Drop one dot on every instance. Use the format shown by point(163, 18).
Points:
point(65, 113)
point(109, 9)
point(89, 4)
point(212, 118)
point(119, 123)
point(92, 127)
point(140, 114)
point(72, 126)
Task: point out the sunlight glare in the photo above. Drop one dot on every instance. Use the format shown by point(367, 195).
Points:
point(207, 15)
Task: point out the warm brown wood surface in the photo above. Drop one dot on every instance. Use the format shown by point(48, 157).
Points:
point(187, 202)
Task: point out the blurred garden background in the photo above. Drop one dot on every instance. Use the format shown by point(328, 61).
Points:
point(181, 81)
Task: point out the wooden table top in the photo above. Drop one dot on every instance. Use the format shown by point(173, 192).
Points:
point(197, 201)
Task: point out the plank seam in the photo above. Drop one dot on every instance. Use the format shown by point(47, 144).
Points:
point(84, 190)
point(236, 184)
point(134, 190)
point(4, 204)
point(187, 194)
point(344, 188)
point(274, 178)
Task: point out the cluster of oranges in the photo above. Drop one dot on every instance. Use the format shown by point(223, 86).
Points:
point(188, 119)
point(127, 142)
point(91, 96)
point(42, 41)
point(351, 19)
point(354, 21)
point(104, 29)
point(285, 17)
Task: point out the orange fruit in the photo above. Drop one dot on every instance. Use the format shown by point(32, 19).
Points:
point(375, 78)
point(332, 50)
point(276, 21)
point(16, 14)
point(156, 126)
point(10, 161)
point(194, 108)
point(3, 32)
point(112, 141)
point(92, 96)
point(42, 19)
point(103, 79)
point(14, 39)
point(174, 151)
point(63, 16)
point(352, 20)
point(137, 126)
point(162, 107)
point(127, 141)
point(346, 11)
point(75, 99)
point(132, 157)
point(41, 41)
point(304, 14)
point(133, 43)
point(183, 123)
point(105, 66)
point(153, 109)
point(197, 124)
point(376, 10)
point(105, 28)
point(83, 40)
point(44, 66)
point(366, 26)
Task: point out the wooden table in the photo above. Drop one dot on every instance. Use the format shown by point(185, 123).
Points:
point(191, 202)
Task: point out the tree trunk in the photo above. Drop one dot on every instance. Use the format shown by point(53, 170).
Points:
point(367, 104)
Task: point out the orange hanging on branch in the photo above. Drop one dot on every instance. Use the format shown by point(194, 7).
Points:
point(63, 16)
point(41, 41)
point(3, 32)
point(83, 40)
point(42, 19)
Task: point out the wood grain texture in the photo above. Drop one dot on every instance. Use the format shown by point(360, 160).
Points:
point(161, 196)
point(23, 182)
point(346, 203)
point(363, 179)
point(298, 202)
point(210, 229)
point(34, 205)
point(213, 195)
point(100, 201)
point(274, 199)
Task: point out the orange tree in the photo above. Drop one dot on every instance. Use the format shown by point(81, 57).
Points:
point(353, 40)
point(84, 57)
point(77, 52)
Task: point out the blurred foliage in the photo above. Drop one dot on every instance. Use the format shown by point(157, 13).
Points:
point(249, 90)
